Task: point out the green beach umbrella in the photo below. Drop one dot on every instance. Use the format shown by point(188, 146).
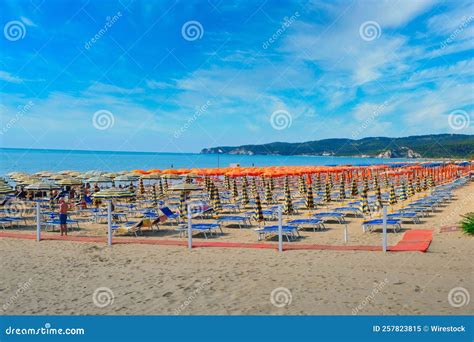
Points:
point(112, 193)
point(5, 189)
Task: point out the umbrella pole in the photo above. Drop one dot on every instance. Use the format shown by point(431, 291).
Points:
point(109, 222)
point(190, 231)
point(280, 231)
point(38, 221)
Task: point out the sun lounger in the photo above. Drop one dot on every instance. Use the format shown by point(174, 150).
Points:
point(128, 227)
point(169, 214)
point(370, 224)
point(240, 220)
point(204, 228)
point(414, 217)
point(55, 222)
point(326, 216)
point(349, 210)
point(290, 232)
point(304, 223)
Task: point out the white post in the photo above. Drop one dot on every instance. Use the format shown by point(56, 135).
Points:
point(280, 231)
point(345, 233)
point(109, 222)
point(38, 221)
point(384, 232)
point(190, 230)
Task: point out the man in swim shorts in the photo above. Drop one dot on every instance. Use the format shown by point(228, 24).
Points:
point(63, 208)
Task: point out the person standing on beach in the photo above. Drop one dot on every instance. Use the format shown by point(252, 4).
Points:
point(63, 208)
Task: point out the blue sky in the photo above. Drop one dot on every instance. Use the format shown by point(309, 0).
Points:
point(250, 72)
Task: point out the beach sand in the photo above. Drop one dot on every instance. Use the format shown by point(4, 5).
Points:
point(61, 277)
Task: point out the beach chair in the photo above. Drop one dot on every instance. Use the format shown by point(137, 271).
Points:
point(406, 215)
point(169, 214)
point(331, 215)
point(128, 228)
point(240, 220)
point(369, 225)
point(290, 232)
point(308, 223)
point(204, 228)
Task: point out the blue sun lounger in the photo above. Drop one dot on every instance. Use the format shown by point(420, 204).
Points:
point(349, 210)
point(55, 222)
point(204, 228)
point(304, 223)
point(240, 220)
point(326, 216)
point(370, 224)
point(414, 217)
point(290, 232)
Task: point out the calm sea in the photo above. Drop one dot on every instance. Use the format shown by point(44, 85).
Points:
point(31, 161)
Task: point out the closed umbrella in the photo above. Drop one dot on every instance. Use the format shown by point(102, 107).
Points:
point(268, 193)
point(288, 207)
point(317, 183)
point(235, 192)
point(378, 199)
point(364, 203)
point(309, 197)
point(393, 197)
point(327, 192)
point(342, 189)
point(258, 215)
point(245, 195)
point(183, 208)
point(402, 195)
point(354, 188)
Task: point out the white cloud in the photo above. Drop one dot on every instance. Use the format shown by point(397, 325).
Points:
point(9, 77)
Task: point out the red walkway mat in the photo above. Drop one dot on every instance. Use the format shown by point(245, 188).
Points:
point(413, 240)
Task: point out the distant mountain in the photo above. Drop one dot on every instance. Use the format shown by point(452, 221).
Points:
point(421, 146)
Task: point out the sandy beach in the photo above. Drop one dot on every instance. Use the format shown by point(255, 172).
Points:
point(77, 278)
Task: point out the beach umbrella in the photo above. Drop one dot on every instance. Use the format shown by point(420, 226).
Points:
point(245, 196)
point(424, 184)
point(235, 192)
point(42, 186)
point(327, 192)
point(354, 188)
point(431, 182)
point(268, 193)
point(183, 208)
point(217, 200)
point(317, 183)
point(272, 185)
point(99, 179)
point(378, 199)
point(5, 189)
point(410, 190)
point(150, 176)
point(342, 189)
point(112, 193)
point(365, 187)
point(402, 195)
point(69, 182)
point(185, 187)
point(288, 207)
point(375, 182)
point(258, 215)
point(253, 188)
point(364, 203)
point(131, 187)
point(125, 178)
point(227, 182)
point(393, 197)
point(309, 197)
point(160, 188)
point(141, 188)
point(301, 186)
point(418, 185)
point(155, 197)
point(385, 181)
point(166, 185)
